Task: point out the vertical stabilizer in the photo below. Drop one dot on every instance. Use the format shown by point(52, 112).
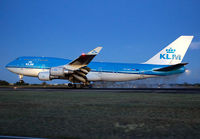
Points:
point(173, 53)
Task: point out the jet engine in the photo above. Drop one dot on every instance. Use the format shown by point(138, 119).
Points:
point(59, 71)
point(44, 76)
point(54, 73)
point(62, 73)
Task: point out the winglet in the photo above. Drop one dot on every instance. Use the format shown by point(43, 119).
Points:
point(95, 51)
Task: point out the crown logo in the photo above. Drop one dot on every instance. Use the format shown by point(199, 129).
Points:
point(170, 50)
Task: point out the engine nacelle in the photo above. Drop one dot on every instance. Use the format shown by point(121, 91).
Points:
point(57, 71)
point(44, 76)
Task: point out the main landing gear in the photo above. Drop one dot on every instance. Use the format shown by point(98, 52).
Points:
point(71, 85)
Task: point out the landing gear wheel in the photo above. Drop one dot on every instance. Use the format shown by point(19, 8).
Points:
point(82, 85)
point(90, 85)
point(70, 85)
point(74, 85)
point(21, 81)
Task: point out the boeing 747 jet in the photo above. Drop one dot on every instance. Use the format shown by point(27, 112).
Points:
point(83, 71)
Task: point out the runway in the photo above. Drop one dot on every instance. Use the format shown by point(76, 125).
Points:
point(114, 90)
point(18, 137)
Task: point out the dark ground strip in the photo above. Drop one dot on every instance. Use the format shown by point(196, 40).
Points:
point(116, 90)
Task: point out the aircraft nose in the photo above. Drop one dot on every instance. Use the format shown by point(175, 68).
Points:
point(7, 66)
point(10, 64)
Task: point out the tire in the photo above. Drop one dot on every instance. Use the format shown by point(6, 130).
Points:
point(70, 85)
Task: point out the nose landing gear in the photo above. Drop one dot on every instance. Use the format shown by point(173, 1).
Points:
point(21, 78)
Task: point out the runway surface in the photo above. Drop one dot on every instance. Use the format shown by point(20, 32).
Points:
point(116, 90)
point(18, 137)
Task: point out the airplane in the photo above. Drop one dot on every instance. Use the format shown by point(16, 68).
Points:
point(83, 71)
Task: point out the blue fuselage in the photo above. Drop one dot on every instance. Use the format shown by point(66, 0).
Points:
point(127, 68)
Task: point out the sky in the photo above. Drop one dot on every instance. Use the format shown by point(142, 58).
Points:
point(130, 31)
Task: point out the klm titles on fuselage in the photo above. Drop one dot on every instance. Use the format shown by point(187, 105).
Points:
point(170, 55)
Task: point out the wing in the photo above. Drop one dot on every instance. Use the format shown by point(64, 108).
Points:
point(74, 71)
point(78, 67)
point(83, 60)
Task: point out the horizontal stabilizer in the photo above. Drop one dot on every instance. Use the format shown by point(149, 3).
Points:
point(172, 67)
